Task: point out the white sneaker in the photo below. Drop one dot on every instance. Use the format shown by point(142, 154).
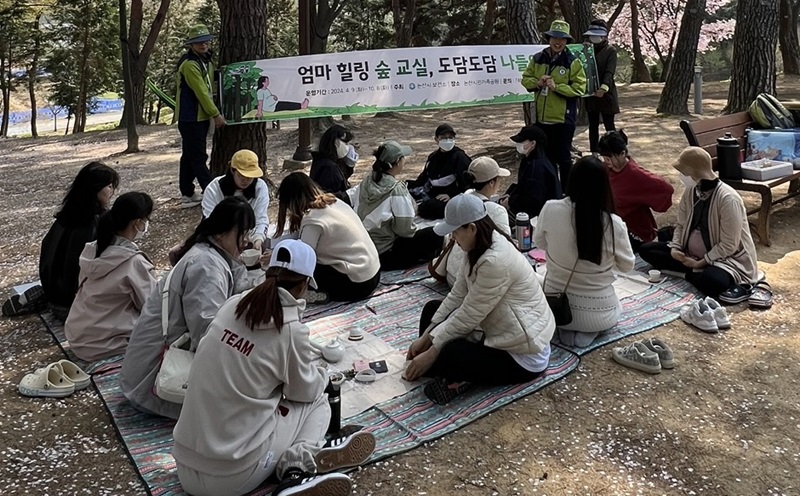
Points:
point(191, 201)
point(719, 312)
point(699, 315)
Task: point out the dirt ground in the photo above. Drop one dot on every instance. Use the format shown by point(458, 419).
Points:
point(724, 422)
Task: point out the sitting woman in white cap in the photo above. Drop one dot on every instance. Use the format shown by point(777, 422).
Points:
point(243, 179)
point(348, 267)
point(387, 210)
point(585, 243)
point(711, 244)
point(497, 294)
point(207, 274)
point(275, 410)
point(483, 177)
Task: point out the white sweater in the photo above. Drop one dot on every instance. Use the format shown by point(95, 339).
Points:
point(260, 203)
point(237, 379)
point(501, 297)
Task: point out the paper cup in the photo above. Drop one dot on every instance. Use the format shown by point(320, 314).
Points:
point(250, 257)
point(655, 275)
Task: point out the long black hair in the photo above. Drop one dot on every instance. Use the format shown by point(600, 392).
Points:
point(128, 207)
point(590, 191)
point(229, 214)
point(228, 186)
point(80, 205)
point(327, 142)
point(485, 228)
point(613, 143)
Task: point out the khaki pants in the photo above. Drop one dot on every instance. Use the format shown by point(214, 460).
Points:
point(297, 438)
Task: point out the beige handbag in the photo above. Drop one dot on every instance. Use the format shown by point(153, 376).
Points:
point(176, 359)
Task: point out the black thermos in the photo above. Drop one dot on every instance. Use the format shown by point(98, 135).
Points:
point(335, 402)
point(729, 157)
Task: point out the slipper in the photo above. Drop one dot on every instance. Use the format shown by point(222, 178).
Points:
point(735, 294)
point(49, 382)
point(74, 373)
point(761, 297)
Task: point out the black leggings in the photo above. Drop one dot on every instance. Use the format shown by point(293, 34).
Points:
point(409, 252)
point(594, 128)
point(340, 288)
point(462, 360)
point(711, 281)
point(559, 148)
point(431, 208)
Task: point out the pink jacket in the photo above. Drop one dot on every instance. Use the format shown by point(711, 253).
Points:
point(112, 290)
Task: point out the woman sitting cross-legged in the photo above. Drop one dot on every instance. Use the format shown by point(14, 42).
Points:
point(207, 273)
point(483, 177)
point(498, 294)
point(387, 210)
point(348, 266)
point(256, 404)
point(711, 245)
point(115, 280)
point(585, 242)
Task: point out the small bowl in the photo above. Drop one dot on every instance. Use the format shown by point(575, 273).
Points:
point(251, 257)
point(655, 275)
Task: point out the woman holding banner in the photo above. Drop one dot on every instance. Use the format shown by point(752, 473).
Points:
point(557, 78)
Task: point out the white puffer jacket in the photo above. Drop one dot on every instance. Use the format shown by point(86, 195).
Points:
point(501, 297)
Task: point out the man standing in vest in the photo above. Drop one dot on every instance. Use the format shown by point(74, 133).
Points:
point(558, 79)
point(193, 110)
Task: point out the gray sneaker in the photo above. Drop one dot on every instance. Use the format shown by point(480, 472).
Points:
point(661, 349)
point(191, 201)
point(637, 356)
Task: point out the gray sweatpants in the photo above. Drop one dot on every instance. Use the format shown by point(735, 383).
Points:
point(297, 438)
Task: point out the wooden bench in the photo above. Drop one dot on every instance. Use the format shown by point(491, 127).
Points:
point(704, 133)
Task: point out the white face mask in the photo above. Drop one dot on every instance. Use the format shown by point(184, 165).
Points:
point(341, 149)
point(687, 181)
point(352, 156)
point(447, 144)
point(596, 39)
point(140, 234)
point(521, 149)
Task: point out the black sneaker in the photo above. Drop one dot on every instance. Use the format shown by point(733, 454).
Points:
point(29, 301)
point(302, 483)
point(442, 392)
point(735, 294)
point(345, 452)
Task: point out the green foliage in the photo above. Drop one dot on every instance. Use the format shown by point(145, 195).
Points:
point(83, 54)
point(282, 27)
point(362, 25)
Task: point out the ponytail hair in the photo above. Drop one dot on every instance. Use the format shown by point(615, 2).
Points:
point(379, 168)
point(469, 181)
point(613, 143)
point(232, 213)
point(127, 208)
point(263, 304)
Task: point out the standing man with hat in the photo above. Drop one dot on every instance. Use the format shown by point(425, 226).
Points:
point(193, 110)
point(558, 79)
point(604, 102)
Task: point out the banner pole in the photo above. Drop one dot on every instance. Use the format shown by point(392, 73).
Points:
point(303, 151)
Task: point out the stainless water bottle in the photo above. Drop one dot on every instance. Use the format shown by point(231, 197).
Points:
point(522, 231)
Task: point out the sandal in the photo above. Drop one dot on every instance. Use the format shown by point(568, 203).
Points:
point(74, 373)
point(761, 296)
point(49, 381)
point(735, 294)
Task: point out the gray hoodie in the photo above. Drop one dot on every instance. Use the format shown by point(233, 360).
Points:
point(387, 210)
point(111, 293)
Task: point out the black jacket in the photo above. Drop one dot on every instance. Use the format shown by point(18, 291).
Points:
point(58, 261)
point(606, 59)
point(440, 167)
point(536, 184)
point(329, 175)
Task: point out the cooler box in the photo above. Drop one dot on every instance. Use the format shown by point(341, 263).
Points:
point(782, 145)
point(765, 169)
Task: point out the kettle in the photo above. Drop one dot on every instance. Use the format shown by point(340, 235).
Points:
point(333, 351)
point(729, 156)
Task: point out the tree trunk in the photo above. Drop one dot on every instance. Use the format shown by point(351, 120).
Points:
point(323, 13)
point(681, 72)
point(790, 44)
point(130, 101)
point(754, 45)
point(578, 13)
point(5, 87)
point(521, 28)
point(83, 84)
point(243, 36)
point(640, 73)
point(615, 15)
point(488, 22)
point(403, 12)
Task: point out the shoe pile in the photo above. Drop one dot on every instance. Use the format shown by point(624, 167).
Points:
point(707, 315)
point(338, 453)
point(648, 355)
point(57, 380)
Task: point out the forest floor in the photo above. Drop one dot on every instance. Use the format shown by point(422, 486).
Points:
point(724, 422)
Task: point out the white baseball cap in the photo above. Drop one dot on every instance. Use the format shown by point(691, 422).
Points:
point(460, 211)
point(294, 255)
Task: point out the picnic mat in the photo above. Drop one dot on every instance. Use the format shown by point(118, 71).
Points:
point(56, 328)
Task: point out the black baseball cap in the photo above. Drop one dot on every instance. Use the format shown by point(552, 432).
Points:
point(530, 132)
point(445, 129)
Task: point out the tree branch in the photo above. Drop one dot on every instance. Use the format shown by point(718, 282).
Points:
point(617, 12)
point(152, 36)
